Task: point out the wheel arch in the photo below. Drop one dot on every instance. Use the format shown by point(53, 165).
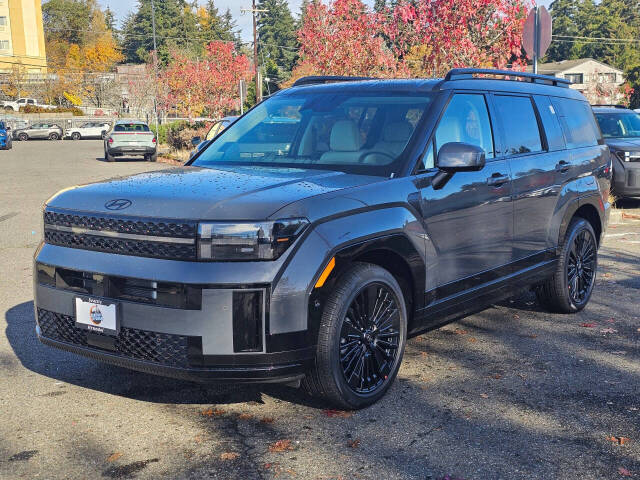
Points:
point(587, 208)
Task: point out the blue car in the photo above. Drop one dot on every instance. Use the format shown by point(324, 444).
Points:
point(5, 138)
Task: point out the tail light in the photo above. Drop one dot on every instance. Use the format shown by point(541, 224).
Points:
point(110, 140)
point(154, 140)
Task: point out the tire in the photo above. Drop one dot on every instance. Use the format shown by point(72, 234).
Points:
point(332, 376)
point(54, 136)
point(153, 157)
point(566, 291)
point(76, 136)
point(108, 157)
point(23, 137)
point(8, 108)
point(103, 135)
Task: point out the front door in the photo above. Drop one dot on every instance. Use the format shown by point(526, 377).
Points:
point(469, 221)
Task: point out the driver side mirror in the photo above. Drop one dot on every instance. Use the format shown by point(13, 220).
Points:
point(195, 141)
point(460, 157)
point(457, 157)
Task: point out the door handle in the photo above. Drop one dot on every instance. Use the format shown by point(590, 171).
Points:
point(562, 166)
point(497, 179)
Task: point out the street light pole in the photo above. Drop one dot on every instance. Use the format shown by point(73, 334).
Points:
point(256, 71)
point(155, 67)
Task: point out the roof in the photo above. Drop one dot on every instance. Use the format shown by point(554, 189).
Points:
point(611, 109)
point(137, 122)
point(561, 66)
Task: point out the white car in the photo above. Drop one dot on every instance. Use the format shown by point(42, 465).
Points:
point(88, 130)
point(23, 102)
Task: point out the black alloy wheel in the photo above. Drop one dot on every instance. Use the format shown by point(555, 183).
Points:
point(571, 286)
point(369, 338)
point(581, 265)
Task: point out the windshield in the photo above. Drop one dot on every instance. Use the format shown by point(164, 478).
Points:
point(619, 125)
point(348, 131)
point(131, 127)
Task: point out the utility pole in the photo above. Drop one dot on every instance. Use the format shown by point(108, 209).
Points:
point(536, 39)
point(155, 67)
point(256, 70)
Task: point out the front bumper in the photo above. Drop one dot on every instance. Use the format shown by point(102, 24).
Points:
point(626, 179)
point(190, 340)
point(131, 150)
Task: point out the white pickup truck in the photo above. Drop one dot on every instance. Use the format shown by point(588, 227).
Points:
point(128, 138)
point(15, 105)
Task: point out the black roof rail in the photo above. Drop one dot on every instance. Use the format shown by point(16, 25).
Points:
point(468, 73)
point(321, 79)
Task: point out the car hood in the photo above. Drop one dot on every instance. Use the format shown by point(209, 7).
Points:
point(234, 193)
point(624, 143)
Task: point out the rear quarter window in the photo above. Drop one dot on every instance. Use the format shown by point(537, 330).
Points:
point(520, 125)
point(577, 121)
point(550, 123)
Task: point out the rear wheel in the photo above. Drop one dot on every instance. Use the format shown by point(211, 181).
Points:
point(54, 136)
point(23, 137)
point(75, 135)
point(570, 288)
point(361, 340)
point(152, 157)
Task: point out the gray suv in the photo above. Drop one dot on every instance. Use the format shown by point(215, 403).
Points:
point(42, 130)
point(326, 226)
point(621, 131)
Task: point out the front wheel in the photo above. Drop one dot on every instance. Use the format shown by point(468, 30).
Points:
point(23, 137)
point(75, 136)
point(570, 288)
point(361, 340)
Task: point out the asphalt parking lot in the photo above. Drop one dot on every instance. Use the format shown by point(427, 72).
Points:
point(510, 393)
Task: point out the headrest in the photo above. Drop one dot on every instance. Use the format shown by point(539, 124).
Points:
point(345, 137)
point(397, 132)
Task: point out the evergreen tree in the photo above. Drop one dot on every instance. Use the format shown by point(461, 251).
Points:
point(277, 39)
point(565, 23)
point(176, 27)
point(219, 26)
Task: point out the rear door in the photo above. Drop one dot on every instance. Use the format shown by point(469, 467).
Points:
point(534, 146)
point(469, 221)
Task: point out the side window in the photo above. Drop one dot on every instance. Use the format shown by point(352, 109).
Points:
point(521, 131)
point(550, 122)
point(31, 102)
point(466, 120)
point(578, 123)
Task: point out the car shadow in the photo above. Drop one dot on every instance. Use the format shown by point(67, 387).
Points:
point(122, 159)
point(78, 370)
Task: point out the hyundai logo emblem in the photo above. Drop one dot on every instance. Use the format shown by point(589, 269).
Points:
point(118, 204)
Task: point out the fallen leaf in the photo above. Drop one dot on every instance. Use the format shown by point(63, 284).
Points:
point(624, 472)
point(210, 412)
point(354, 443)
point(533, 335)
point(245, 416)
point(472, 339)
point(497, 376)
point(606, 275)
point(198, 439)
point(281, 446)
point(608, 330)
point(266, 420)
point(424, 354)
point(611, 320)
point(589, 325)
point(338, 413)
point(522, 376)
point(229, 455)
point(484, 395)
point(459, 331)
point(516, 316)
point(619, 440)
point(114, 456)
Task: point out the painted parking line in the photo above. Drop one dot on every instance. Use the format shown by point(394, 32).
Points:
point(621, 234)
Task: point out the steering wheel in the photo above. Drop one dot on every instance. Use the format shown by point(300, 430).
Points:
point(376, 152)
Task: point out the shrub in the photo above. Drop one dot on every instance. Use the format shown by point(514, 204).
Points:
point(178, 134)
point(76, 112)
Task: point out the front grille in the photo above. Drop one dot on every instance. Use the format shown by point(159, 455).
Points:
point(160, 348)
point(137, 248)
point(141, 237)
point(122, 224)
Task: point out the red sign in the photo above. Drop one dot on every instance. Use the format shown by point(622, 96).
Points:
point(537, 45)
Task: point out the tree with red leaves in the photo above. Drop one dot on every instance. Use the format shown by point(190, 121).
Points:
point(207, 86)
point(343, 38)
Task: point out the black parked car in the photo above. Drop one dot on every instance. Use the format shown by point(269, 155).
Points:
point(621, 131)
point(326, 226)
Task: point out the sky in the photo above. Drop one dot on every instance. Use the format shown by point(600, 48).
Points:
point(122, 7)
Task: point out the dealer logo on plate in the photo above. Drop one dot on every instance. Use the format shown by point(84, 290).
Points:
point(95, 315)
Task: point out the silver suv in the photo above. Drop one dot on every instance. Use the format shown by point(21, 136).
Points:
point(52, 131)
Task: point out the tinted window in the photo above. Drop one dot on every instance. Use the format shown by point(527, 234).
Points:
point(520, 124)
point(619, 125)
point(350, 130)
point(550, 122)
point(578, 124)
point(466, 120)
point(131, 127)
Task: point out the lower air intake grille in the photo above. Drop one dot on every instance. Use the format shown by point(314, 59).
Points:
point(160, 348)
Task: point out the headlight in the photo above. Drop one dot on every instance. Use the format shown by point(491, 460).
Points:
point(248, 241)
